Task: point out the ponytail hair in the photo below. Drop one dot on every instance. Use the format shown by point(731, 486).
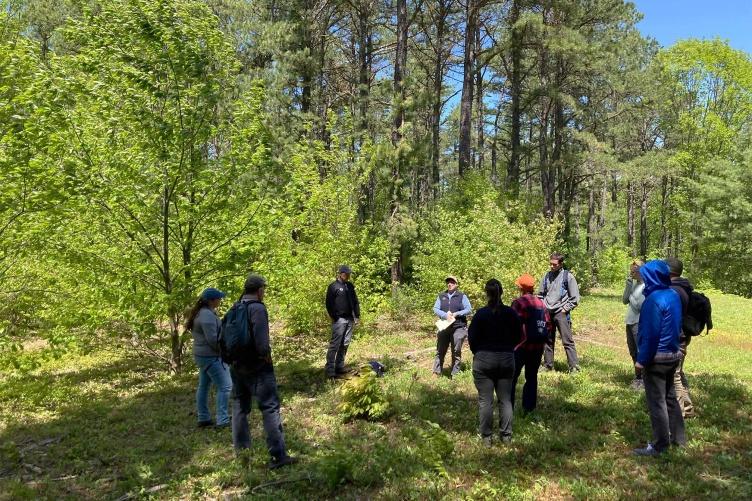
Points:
point(493, 293)
point(201, 303)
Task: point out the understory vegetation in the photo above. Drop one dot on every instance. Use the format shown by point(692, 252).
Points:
point(105, 424)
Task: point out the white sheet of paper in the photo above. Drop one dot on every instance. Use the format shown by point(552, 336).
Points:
point(442, 324)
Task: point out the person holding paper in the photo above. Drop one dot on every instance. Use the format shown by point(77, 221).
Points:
point(451, 305)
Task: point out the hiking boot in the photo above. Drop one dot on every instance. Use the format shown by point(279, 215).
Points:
point(486, 441)
point(506, 439)
point(547, 368)
point(205, 424)
point(574, 370)
point(284, 461)
point(646, 451)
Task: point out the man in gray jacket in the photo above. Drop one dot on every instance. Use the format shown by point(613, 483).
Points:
point(560, 294)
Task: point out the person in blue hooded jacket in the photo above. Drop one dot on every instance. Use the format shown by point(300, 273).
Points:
point(658, 357)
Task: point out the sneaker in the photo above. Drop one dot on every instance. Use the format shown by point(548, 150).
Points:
point(574, 370)
point(223, 425)
point(637, 384)
point(279, 463)
point(344, 370)
point(487, 441)
point(506, 439)
point(646, 451)
point(205, 424)
point(548, 368)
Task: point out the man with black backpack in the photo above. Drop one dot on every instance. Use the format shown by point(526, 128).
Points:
point(696, 315)
point(244, 343)
point(560, 294)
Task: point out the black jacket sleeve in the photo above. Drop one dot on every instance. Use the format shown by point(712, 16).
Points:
point(330, 301)
point(355, 302)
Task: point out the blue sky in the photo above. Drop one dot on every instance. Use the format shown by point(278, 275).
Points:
point(670, 20)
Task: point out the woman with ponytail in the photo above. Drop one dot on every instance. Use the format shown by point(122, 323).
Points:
point(493, 335)
point(205, 326)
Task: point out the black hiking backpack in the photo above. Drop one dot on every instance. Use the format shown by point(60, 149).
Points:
point(698, 315)
point(236, 337)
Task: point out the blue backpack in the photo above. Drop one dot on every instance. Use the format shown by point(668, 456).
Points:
point(536, 327)
point(236, 339)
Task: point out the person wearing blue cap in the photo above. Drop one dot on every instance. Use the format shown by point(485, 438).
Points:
point(205, 326)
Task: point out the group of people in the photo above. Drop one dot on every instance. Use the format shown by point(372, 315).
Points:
point(503, 339)
point(252, 375)
point(506, 339)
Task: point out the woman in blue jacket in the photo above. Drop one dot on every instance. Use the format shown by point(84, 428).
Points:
point(658, 356)
point(205, 326)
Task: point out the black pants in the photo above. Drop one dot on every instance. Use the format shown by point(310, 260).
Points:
point(561, 321)
point(665, 415)
point(530, 360)
point(493, 371)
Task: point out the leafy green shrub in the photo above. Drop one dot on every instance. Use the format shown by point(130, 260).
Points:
point(612, 265)
point(435, 445)
point(363, 398)
point(478, 243)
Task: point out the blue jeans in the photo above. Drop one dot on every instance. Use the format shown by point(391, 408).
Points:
point(212, 370)
point(261, 386)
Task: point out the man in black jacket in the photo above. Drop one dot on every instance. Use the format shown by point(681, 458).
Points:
point(682, 287)
point(344, 310)
point(253, 377)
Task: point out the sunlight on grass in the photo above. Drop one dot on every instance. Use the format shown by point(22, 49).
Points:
point(100, 426)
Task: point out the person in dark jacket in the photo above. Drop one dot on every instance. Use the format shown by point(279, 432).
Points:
point(658, 357)
point(560, 293)
point(682, 287)
point(452, 305)
point(344, 309)
point(205, 326)
point(529, 352)
point(253, 378)
point(494, 333)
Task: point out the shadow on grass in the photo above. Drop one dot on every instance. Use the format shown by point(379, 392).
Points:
point(115, 443)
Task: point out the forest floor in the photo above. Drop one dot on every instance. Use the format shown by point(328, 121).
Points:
point(103, 425)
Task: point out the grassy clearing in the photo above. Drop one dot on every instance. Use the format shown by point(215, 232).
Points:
point(103, 425)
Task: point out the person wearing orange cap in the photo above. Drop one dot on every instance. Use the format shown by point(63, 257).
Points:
point(536, 328)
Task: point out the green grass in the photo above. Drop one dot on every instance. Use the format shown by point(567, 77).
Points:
point(102, 425)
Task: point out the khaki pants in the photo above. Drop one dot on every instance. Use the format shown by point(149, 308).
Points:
point(680, 382)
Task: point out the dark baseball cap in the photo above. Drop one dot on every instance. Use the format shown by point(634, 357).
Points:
point(344, 269)
point(212, 293)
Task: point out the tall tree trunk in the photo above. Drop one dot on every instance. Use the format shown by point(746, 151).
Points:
point(515, 91)
point(665, 208)
point(438, 80)
point(480, 109)
point(400, 61)
point(364, 40)
point(589, 247)
point(495, 149)
point(631, 218)
point(466, 100)
point(644, 244)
